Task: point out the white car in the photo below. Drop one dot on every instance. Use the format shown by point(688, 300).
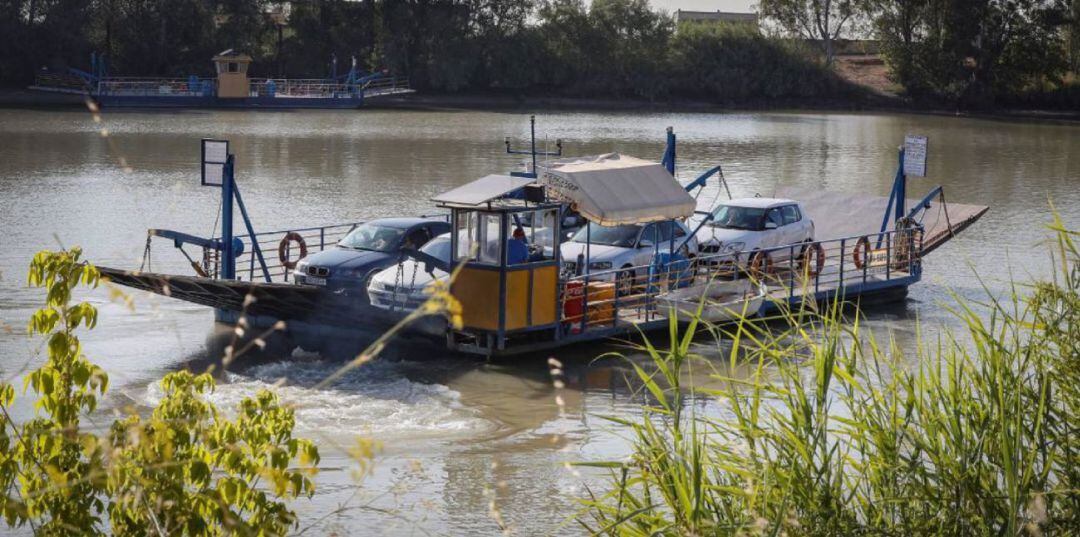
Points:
point(402, 286)
point(623, 253)
point(743, 226)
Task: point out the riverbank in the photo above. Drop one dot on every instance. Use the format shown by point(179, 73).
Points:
point(514, 101)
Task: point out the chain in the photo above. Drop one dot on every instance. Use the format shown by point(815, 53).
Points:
point(397, 283)
point(412, 283)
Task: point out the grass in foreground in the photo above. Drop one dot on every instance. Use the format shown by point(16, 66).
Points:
point(836, 433)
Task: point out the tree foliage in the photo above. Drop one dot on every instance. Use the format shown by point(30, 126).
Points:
point(185, 470)
point(605, 48)
point(973, 52)
point(823, 21)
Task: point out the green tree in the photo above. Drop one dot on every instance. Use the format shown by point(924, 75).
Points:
point(737, 64)
point(1074, 36)
point(823, 21)
point(900, 26)
point(52, 472)
point(186, 470)
point(972, 52)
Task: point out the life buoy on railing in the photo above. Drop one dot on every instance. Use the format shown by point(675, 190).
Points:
point(861, 252)
point(818, 252)
point(283, 249)
point(760, 264)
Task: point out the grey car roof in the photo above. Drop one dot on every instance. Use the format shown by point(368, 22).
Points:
point(404, 221)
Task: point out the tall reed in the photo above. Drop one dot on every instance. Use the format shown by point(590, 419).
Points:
point(837, 433)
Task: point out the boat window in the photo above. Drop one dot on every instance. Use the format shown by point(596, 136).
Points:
point(623, 236)
point(791, 214)
point(478, 237)
point(234, 67)
point(373, 237)
point(540, 232)
point(735, 217)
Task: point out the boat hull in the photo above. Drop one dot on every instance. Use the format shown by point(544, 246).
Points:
point(263, 102)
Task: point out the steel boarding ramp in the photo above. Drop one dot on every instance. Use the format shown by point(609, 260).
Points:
point(280, 300)
point(848, 214)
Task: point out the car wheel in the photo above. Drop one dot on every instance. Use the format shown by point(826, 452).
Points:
point(802, 252)
point(624, 282)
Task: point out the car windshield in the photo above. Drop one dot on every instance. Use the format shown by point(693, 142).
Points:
point(735, 217)
point(373, 237)
point(438, 247)
point(623, 236)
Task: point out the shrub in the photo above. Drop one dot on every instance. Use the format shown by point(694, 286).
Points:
point(834, 433)
point(186, 470)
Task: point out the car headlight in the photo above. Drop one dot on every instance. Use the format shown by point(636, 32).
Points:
point(600, 265)
point(301, 266)
point(733, 247)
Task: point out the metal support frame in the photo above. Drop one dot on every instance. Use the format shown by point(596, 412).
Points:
point(229, 192)
point(532, 149)
point(228, 270)
point(669, 152)
point(897, 197)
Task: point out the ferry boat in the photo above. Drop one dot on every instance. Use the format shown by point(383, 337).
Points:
point(231, 87)
point(518, 305)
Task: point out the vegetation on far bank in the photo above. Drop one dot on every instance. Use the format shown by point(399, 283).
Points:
point(942, 52)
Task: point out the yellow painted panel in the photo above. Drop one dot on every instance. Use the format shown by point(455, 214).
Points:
point(601, 299)
point(545, 279)
point(517, 299)
point(478, 292)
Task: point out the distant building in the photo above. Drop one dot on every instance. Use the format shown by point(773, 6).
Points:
point(749, 20)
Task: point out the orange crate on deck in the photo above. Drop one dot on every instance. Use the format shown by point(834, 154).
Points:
point(601, 301)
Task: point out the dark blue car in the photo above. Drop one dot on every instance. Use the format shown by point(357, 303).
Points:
point(371, 247)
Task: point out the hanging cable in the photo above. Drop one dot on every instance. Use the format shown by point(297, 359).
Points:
point(945, 208)
point(145, 265)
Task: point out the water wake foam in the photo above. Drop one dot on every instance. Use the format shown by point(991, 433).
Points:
point(376, 400)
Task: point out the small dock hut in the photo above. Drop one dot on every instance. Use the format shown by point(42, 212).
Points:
point(232, 74)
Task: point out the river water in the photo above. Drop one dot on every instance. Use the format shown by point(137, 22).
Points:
point(463, 444)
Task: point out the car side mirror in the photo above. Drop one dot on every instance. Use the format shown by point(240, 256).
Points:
point(569, 221)
point(770, 225)
point(646, 243)
point(429, 268)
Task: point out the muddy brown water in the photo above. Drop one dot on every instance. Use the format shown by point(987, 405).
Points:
point(457, 434)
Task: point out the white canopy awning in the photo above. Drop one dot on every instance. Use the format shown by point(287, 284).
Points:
point(615, 189)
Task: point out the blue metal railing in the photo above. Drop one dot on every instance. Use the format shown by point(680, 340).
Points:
point(794, 272)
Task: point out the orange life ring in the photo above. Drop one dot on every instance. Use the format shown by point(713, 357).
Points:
point(818, 252)
point(861, 252)
point(283, 248)
point(760, 263)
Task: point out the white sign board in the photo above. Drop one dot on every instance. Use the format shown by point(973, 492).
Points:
point(915, 156)
point(215, 153)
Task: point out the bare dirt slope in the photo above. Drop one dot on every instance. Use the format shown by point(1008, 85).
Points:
point(868, 71)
